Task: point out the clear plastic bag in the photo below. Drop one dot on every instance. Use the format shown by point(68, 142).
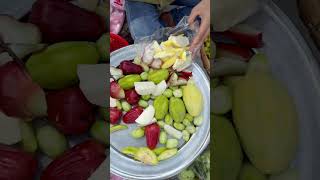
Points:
point(163, 34)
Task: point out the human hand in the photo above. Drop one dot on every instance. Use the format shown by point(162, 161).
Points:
point(201, 10)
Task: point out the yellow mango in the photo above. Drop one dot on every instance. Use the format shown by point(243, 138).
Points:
point(193, 99)
point(168, 63)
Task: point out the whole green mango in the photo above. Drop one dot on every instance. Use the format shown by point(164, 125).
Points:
point(157, 76)
point(177, 109)
point(227, 156)
point(56, 66)
point(249, 172)
point(266, 119)
point(161, 106)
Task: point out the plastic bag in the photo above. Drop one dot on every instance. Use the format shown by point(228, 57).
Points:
point(163, 34)
point(117, 15)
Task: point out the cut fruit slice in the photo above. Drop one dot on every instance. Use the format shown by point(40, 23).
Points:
point(167, 53)
point(146, 117)
point(169, 62)
point(145, 88)
point(161, 87)
point(113, 102)
point(179, 41)
point(146, 156)
point(180, 64)
point(156, 46)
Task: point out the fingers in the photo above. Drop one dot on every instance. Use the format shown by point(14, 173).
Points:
point(193, 15)
point(200, 37)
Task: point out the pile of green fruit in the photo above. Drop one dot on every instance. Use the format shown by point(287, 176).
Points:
point(255, 125)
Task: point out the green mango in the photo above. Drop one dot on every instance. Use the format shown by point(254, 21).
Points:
point(249, 172)
point(227, 156)
point(157, 76)
point(56, 67)
point(161, 106)
point(177, 109)
point(266, 119)
point(128, 81)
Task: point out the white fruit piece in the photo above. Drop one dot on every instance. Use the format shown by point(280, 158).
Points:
point(156, 46)
point(116, 73)
point(93, 83)
point(148, 54)
point(179, 41)
point(10, 129)
point(113, 102)
point(156, 64)
point(172, 131)
point(181, 64)
point(146, 117)
point(161, 87)
point(145, 88)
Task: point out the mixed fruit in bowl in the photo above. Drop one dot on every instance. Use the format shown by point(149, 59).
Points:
point(50, 89)
point(157, 93)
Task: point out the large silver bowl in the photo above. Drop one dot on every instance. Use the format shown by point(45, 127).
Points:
point(126, 167)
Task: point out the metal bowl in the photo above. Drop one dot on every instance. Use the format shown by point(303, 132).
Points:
point(127, 167)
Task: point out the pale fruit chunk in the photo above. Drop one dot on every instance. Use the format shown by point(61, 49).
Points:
point(180, 64)
point(145, 88)
point(113, 102)
point(161, 87)
point(179, 41)
point(146, 117)
point(146, 156)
